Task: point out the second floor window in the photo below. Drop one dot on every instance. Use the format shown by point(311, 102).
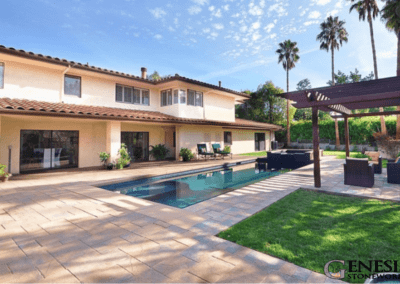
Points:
point(166, 98)
point(130, 95)
point(195, 98)
point(72, 85)
point(1, 75)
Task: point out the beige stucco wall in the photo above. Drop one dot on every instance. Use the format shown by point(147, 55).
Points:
point(242, 140)
point(92, 138)
point(34, 80)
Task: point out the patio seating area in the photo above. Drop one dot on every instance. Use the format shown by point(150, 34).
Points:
point(73, 231)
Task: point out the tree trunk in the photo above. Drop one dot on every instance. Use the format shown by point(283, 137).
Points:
point(288, 109)
point(371, 29)
point(333, 84)
point(398, 74)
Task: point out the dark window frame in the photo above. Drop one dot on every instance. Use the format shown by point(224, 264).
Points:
point(80, 85)
point(227, 141)
point(257, 141)
point(194, 98)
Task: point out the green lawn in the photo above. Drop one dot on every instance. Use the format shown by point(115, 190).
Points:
point(256, 154)
point(309, 229)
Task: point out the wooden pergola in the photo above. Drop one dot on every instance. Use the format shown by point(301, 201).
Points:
point(343, 99)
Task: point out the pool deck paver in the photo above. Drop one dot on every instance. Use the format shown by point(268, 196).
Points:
point(75, 232)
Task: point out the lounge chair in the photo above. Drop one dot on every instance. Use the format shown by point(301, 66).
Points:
point(202, 151)
point(217, 151)
point(358, 172)
point(393, 172)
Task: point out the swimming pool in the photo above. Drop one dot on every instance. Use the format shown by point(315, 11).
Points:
point(185, 191)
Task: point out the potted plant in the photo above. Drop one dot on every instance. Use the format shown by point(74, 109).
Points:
point(104, 158)
point(124, 158)
point(227, 149)
point(159, 152)
point(4, 176)
point(186, 154)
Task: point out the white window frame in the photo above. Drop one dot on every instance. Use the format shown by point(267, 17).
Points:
point(133, 92)
point(194, 98)
point(2, 65)
point(168, 102)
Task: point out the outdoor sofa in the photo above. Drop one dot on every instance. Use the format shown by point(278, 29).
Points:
point(376, 160)
point(288, 159)
point(359, 172)
point(393, 172)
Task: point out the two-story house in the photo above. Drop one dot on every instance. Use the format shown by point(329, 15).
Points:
point(56, 113)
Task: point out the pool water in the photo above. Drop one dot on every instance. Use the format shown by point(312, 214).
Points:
point(185, 191)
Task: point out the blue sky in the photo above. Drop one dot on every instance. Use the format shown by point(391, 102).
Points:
point(229, 40)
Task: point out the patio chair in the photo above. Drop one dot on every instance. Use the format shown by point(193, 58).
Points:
point(393, 172)
point(202, 151)
point(358, 172)
point(376, 160)
point(217, 151)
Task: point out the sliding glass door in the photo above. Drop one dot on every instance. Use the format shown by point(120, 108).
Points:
point(259, 139)
point(46, 149)
point(137, 144)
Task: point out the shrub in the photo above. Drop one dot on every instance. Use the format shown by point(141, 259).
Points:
point(104, 157)
point(355, 148)
point(227, 149)
point(327, 148)
point(159, 152)
point(3, 171)
point(186, 154)
point(124, 157)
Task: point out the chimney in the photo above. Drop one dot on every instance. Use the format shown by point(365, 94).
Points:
point(144, 72)
point(219, 83)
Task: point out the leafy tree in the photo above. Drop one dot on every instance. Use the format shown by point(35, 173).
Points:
point(288, 55)
point(154, 76)
point(390, 15)
point(264, 105)
point(354, 77)
point(303, 113)
point(368, 9)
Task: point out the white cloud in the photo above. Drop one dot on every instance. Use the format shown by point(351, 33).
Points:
point(269, 27)
point(226, 7)
point(277, 8)
point(314, 15)
point(339, 4)
point(194, 10)
point(302, 13)
point(256, 25)
point(255, 10)
point(320, 2)
point(200, 2)
point(218, 26)
point(158, 36)
point(206, 31)
point(217, 13)
point(237, 15)
point(243, 28)
point(211, 8)
point(158, 13)
point(256, 36)
point(311, 23)
point(66, 26)
point(171, 29)
point(332, 13)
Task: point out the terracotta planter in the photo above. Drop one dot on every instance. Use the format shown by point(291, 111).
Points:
point(4, 178)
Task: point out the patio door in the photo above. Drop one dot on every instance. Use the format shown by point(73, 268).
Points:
point(259, 139)
point(47, 149)
point(137, 144)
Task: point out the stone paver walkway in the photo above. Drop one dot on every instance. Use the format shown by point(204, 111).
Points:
point(76, 232)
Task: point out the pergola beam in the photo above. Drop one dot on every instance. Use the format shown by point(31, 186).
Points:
point(317, 168)
point(349, 99)
point(318, 97)
point(347, 136)
point(394, 112)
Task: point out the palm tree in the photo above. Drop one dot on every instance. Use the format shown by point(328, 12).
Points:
point(288, 55)
point(368, 9)
point(390, 15)
point(332, 36)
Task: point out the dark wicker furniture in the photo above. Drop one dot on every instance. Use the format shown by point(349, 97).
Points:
point(393, 172)
point(359, 172)
point(376, 160)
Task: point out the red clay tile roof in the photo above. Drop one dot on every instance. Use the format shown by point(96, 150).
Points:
point(30, 107)
point(65, 62)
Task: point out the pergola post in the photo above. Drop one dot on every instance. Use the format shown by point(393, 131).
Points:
point(346, 135)
point(317, 168)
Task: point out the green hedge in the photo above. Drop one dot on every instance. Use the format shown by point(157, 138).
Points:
point(361, 129)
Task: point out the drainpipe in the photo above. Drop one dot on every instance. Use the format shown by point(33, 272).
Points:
point(62, 83)
point(9, 158)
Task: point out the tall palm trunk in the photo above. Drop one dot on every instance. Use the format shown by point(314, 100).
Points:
point(398, 74)
point(288, 108)
point(333, 84)
point(371, 29)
